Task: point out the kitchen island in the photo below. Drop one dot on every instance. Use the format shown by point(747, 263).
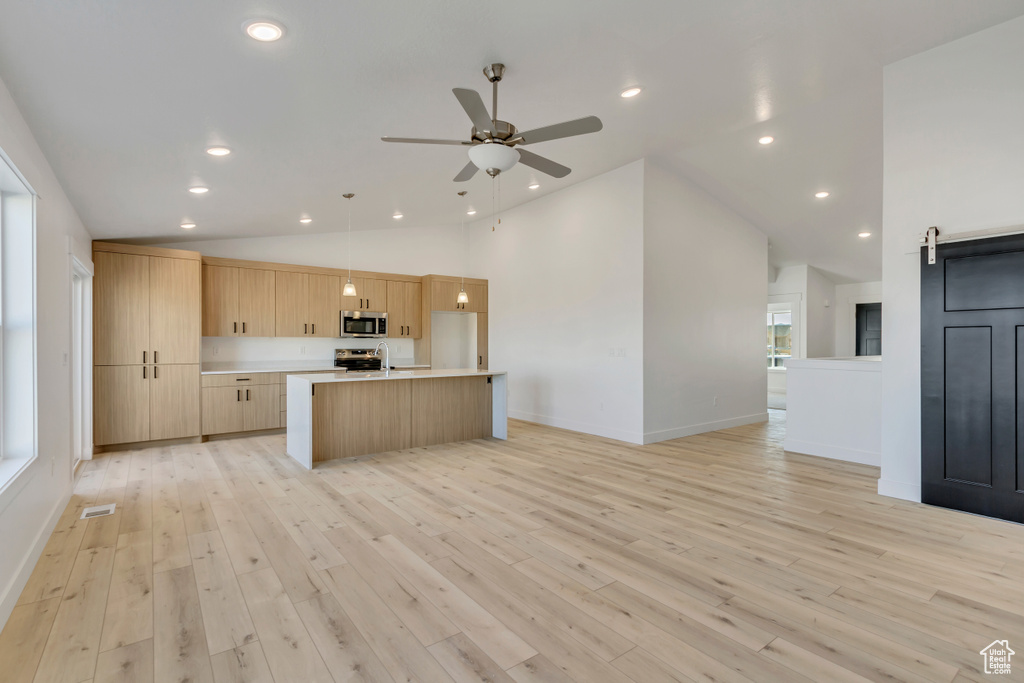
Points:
point(346, 414)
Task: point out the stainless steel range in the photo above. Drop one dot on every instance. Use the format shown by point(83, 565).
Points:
point(357, 360)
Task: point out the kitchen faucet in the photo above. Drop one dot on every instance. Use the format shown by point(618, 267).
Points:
point(387, 357)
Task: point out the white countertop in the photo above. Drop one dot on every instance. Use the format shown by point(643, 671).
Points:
point(327, 377)
point(860, 363)
point(266, 366)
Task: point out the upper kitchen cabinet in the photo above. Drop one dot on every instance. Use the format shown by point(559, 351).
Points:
point(238, 302)
point(292, 304)
point(324, 305)
point(146, 305)
point(371, 295)
point(308, 304)
point(444, 295)
point(404, 309)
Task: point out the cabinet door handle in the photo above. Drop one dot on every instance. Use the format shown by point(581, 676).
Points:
point(156, 373)
point(236, 328)
point(246, 394)
point(314, 328)
point(305, 328)
point(143, 371)
point(155, 360)
point(481, 361)
point(143, 356)
point(243, 328)
point(239, 395)
point(360, 304)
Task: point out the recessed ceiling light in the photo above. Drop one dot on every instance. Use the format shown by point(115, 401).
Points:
point(863, 234)
point(188, 226)
point(264, 31)
point(533, 186)
point(766, 140)
point(631, 92)
point(199, 190)
point(305, 219)
point(397, 216)
point(822, 194)
point(471, 212)
point(218, 151)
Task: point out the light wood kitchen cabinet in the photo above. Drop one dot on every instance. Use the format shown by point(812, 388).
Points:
point(444, 296)
point(220, 301)
point(120, 403)
point(257, 302)
point(371, 295)
point(245, 408)
point(145, 305)
point(174, 397)
point(481, 341)
point(175, 322)
point(147, 326)
point(292, 304)
point(120, 308)
point(238, 302)
point(223, 411)
point(324, 305)
point(404, 314)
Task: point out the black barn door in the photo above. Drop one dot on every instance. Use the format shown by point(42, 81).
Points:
point(972, 377)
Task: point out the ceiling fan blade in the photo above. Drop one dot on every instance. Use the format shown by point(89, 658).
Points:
point(425, 141)
point(543, 164)
point(567, 129)
point(474, 106)
point(466, 173)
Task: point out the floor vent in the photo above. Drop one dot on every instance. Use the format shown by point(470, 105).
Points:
point(98, 511)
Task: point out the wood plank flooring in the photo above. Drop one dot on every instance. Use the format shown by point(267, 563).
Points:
point(554, 556)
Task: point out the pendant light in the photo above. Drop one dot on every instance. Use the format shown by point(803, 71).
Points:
point(463, 298)
point(350, 289)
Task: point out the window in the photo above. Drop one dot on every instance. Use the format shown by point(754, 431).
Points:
point(780, 338)
point(18, 444)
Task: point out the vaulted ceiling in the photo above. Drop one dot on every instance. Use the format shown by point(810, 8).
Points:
point(125, 96)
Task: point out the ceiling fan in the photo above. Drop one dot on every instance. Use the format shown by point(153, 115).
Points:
point(492, 142)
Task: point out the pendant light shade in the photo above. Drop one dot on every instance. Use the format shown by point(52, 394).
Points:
point(463, 298)
point(349, 289)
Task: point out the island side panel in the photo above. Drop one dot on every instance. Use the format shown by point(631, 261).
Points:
point(356, 418)
point(499, 407)
point(299, 438)
point(450, 409)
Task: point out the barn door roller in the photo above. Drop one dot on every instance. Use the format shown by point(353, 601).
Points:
point(931, 237)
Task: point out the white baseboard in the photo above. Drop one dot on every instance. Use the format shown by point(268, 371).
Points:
point(12, 591)
point(573, 426)
point(834, 452)
point(899, 489)
point(690, 430)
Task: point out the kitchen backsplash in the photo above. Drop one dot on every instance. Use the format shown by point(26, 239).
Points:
point(224, 349)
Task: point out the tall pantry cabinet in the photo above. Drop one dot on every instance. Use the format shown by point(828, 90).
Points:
point(147, 326)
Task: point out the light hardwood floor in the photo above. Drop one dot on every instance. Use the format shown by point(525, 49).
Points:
point(553, 556)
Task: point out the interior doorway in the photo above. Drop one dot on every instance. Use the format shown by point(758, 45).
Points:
point(869, 329)
point(81, 405)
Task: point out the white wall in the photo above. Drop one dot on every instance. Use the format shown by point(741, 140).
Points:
point(30, 506)
point(705, 275)
point(954, 157)
point(565, 304)
point(847, 298)
point(820, 318)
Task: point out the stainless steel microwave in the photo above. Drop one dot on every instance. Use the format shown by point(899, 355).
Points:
point(364, 324)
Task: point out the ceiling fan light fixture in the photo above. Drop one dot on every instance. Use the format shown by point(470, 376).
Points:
point(493, 155)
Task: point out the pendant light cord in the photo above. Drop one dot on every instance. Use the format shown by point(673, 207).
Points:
point(350, 239)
